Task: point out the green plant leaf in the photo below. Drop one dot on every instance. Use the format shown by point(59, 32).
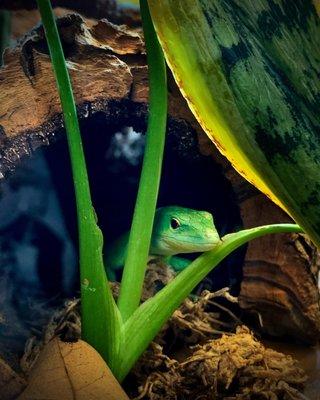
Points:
point(141, 229)
point(250, 73)
point(100, 319)
point(149, 318)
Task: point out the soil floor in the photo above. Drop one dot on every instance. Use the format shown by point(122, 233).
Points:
point(309, 359)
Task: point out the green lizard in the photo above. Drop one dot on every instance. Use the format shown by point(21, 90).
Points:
point(176, 230)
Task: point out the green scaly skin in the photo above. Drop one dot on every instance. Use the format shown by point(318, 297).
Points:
point(176, 230)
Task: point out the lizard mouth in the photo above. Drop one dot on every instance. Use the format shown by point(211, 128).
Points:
point(190, 244)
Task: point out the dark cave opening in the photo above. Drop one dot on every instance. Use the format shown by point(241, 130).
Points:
point(189, 179)
point(39, 243)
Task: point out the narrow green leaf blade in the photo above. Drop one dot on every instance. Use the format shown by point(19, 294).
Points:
point(101, 321)
point(141, 229)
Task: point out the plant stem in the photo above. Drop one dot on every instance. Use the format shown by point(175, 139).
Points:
point(5, 31)
point(100, 317)
point(146, 322)
point(141, 229)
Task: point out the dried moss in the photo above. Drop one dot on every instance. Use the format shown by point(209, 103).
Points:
point(235, 366)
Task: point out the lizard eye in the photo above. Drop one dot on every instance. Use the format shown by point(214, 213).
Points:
point(175, 224)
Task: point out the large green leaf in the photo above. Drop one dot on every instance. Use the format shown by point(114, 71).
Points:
point(250, 73)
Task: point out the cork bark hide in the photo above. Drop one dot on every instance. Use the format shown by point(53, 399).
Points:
point(108, 70)
point(280, 276)
point(107, 65)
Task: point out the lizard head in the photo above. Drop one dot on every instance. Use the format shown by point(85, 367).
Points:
point(182, 230)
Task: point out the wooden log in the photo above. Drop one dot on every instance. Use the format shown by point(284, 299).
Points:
point(108, 70)
point(280, 284)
